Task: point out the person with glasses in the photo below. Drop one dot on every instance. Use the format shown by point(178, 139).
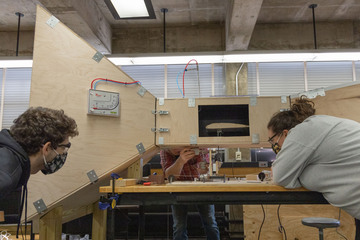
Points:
point(318, 152)
point(38, 140)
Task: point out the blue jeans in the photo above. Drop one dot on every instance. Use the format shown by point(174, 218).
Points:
point(207, 214)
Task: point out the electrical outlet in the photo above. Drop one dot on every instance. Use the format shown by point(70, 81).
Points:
point(238, 156)
point(263, 164)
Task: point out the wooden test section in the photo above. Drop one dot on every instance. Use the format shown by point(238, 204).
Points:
point(63, 68)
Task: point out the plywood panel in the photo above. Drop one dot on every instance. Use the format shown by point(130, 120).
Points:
point(63, 69)
point(241, 172)
point(342, 102)
point(183, 121)
point(290, 217)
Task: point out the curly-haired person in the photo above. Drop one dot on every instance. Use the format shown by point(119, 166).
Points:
point(318, 152)
point(38, 140)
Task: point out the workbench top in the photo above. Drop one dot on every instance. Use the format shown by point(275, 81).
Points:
point(192, 186)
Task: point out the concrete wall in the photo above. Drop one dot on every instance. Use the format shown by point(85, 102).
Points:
point(300, 36)
point(178, 39)
point(8, 43)
point(200, 38)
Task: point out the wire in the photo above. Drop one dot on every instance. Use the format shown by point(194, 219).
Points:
point(184, 74)
point(337, 227)
point(281, 227)
point(262, 221)
point(93, 86)
point(177, 83)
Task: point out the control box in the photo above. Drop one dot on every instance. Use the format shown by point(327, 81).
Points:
point(104, 103)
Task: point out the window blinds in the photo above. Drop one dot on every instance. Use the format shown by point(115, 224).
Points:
point(16, 94)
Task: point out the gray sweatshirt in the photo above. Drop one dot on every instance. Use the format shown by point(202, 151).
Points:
point(323, 154)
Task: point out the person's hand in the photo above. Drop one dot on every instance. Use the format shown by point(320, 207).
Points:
point(186, 154)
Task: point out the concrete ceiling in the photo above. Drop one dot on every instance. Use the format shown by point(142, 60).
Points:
point(92, 20)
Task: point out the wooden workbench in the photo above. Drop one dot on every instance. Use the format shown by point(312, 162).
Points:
point(199, 186)
point(230, 192)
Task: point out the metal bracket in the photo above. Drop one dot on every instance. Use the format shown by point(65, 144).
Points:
point(161, 112)
point(52, 21)
point(193, 139)
point(161, 101)
point(98, 56)
point(142, 91)
point(92, 176)
point(40, 205)
point(253, 101)
point(313, 93)
point(160, 129)
point(140, 147)
point(255, 138)
point(191, 102)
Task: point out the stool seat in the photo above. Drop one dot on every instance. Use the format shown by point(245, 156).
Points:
point(321, 222)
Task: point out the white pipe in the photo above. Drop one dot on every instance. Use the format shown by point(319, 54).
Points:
point(237, 80)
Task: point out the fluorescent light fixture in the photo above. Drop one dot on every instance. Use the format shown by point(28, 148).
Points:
point(131, 9)
point(156, 60)
point(15, 63)
point(213, 57)
point(237, 57)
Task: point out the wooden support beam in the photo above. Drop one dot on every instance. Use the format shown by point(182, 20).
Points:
point(135, 170)
point(98, 223)
point(51, 224)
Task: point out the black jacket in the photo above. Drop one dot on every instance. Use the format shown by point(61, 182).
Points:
point(14, 164)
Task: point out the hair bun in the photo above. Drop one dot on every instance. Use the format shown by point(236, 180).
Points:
point(303, 108)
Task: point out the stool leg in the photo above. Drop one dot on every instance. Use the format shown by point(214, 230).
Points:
point(321, 234)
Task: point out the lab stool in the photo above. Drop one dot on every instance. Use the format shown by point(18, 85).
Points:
point(320, 223)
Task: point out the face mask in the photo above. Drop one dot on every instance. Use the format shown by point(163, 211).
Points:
point(276, 147)
point(55, 164)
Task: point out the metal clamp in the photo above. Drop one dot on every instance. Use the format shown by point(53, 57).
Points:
point(160, 129)
point(161, 112)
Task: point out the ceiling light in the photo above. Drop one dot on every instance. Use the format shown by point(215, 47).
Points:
point(15, 63)
point(238, 56)
point(131, 9)
point(213, 57)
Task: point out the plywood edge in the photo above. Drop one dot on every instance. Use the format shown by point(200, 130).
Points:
point(77, 203)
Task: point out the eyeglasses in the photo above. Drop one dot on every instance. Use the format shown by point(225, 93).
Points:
point(65, 146)
point(270, 139)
